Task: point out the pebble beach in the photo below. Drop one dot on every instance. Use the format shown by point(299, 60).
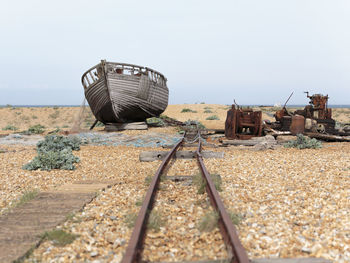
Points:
point(291, 203)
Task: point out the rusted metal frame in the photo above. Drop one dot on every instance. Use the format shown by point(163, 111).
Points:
point(134, 249)
point(227, 229)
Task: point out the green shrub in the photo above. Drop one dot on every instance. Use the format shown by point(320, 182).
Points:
point(53, 160)
point(155, 122)
point(10, 128)
point(59, 143)
point(208, 111)
point(36, 129)
point(303, 142)
point(194, 124)
point(55, 152)
point(212, 117)
point(188, 110)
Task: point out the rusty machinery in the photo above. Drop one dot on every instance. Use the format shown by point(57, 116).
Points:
point(283, 117)
point(317, 111)
point(243, 123)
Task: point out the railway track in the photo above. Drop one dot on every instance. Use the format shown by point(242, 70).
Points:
point(235, 250)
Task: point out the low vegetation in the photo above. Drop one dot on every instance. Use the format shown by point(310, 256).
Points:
point(10, 128)
point(194, 124)
point(54, 115)
point(36, 129)
point(235, 218)
point(155, 122)
point(25, 119)
point(27, 196)
point(59, 143)
point(139, 201)
point(208, 111)
point(72, 217)
point(188, 110)
point(200, 182)
point(303, 142)
point(130, 219)
point(212, 117)
point(155, 221)
point(149, 179)
point(55, 152)
point(208, 222)
point(59, 237)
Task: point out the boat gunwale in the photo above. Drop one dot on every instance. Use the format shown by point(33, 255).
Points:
point(116, 63)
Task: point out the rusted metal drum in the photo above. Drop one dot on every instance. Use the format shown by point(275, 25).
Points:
point(286, 122)
point(298, 124)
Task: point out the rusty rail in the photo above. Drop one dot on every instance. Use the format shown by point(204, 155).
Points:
point(228, 231)
point(134, 248)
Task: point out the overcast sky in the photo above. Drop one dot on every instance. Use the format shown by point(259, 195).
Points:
point(254, 51)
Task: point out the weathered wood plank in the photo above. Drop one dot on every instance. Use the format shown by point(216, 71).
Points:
point(251, 142)
point(265, 260)
point(291, 260)
point(327, 137)
point(126, 126)
point(207, 145)
point(150, 156)
point(21, 228)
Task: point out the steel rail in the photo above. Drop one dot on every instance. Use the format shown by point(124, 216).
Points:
point(236, 251)
point(227, 229)
point(134, 248)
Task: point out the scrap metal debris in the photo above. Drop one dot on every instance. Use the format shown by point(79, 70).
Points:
point(315, 120)
point(243, 123)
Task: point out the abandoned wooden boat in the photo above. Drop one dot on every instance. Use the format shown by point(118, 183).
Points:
point(119, 92)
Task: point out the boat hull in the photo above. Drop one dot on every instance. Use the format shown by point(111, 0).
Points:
point(119, 92)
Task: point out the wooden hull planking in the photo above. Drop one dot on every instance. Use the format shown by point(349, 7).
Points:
point(119, 92)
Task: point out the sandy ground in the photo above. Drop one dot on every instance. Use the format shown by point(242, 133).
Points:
point(293, 203)
point(64, 117)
